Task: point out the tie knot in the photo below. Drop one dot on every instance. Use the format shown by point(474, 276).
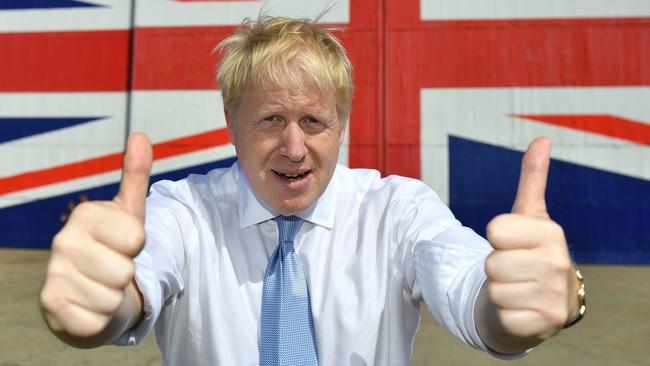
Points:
point(288, 227)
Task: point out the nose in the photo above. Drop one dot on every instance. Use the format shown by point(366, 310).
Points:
point(293, 142)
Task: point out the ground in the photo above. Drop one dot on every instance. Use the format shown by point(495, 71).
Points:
point(614, 332)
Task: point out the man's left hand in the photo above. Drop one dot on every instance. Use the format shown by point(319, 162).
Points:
point(531, 279)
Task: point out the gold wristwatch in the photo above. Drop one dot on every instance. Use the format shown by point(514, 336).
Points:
point(581, 301)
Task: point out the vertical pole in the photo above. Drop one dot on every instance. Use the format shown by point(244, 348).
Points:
point(130, 72)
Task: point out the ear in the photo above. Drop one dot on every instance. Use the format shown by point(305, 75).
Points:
point(229, 125)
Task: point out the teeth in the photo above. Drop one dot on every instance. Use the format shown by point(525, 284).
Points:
point(292, 176)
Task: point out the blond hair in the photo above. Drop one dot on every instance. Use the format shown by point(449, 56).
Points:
point(271, 48)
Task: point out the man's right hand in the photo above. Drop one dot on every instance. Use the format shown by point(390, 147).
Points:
point(89, 286)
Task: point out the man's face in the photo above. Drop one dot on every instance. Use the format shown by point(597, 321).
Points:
point(287, 143)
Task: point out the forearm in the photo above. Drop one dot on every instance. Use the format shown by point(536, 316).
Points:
point(126, 317)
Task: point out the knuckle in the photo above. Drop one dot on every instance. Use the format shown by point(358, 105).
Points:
point(492, 292)
point(492, 228)
point(48, 299)
point(70, 248)
point(52, 301)
point(553, 231)
point(557, 262)
point(490, 267)
point(554, 313)
point(125, 274)
point(495, 227)
point(84, 209)
point(563, 265)
point(556, 317)
point(135, 240)
point(553, 295)
point(555, 228)
point(114, 300)
point(62, 241)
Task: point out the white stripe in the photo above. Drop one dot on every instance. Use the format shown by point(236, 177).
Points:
point(162, 115)
point(170, 114)
point(63, 146)
point(114, 14)
point(531, 9)
point(344, 151)
point(174, 13)
point(482, 114)
point(160, 166)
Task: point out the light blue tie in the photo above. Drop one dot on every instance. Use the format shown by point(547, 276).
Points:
point(287, 329)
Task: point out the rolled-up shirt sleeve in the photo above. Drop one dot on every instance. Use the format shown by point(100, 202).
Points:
point(449, 274)
point(444, 264)
point(158, 272)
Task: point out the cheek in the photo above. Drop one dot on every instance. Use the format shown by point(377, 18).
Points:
point(326, 155)
point(255, 149)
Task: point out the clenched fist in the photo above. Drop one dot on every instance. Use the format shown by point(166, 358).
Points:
point(88, 289)
point(531, 279)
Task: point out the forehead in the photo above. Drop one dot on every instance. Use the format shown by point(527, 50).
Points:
point(273, 94)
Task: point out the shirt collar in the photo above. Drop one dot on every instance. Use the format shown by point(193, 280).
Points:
point(253, 210)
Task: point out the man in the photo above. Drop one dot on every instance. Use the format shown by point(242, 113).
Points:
point(287, 258)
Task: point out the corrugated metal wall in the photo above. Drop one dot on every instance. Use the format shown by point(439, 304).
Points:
point(446, 91)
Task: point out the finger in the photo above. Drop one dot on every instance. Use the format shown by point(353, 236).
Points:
point(526, 323)
point(135, 175)
point(104, 265)
point(77, 321)
point(108, 224)
point(510, 266)
point(532, 180)
point(90, 294)
point(74, 287)
point(515, 295)
point(514, 231)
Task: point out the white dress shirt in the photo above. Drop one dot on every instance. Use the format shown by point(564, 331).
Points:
point(371, 249)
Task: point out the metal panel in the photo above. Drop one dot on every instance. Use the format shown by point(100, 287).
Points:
point(63, 83)
point(486, 82)
point(449, 92)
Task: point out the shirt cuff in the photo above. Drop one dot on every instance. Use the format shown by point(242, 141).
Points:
point(145, 278)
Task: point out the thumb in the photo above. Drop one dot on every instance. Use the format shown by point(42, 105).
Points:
point(135, 175)
point(532, 180)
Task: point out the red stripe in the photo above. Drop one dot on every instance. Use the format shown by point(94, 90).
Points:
point(442, 54)
point(177, 57)
point(550, 52)
point(111, 162)
point(64, 61)
point(601, 124)
point(499, 53)
point(361, 38)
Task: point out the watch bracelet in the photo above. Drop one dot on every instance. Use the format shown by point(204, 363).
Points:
point(581, 300)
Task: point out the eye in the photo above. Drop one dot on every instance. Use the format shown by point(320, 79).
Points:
point(312, 121)
point(271, 119)
point(313, 125)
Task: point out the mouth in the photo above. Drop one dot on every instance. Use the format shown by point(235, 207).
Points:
point(292, 177)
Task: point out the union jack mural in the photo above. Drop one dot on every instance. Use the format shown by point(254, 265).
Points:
point(449, 92)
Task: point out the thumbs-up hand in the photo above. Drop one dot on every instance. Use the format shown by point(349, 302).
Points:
point(531, 277)
point(91, 262)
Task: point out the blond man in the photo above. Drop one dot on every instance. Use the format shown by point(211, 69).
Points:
point(287, 258)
